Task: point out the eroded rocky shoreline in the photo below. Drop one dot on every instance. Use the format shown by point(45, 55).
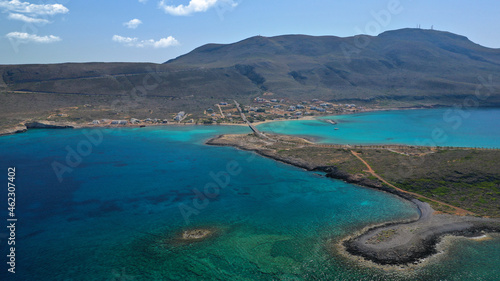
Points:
point(407, 242)
point(392, 243)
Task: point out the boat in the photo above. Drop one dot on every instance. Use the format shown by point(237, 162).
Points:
point(331, 122)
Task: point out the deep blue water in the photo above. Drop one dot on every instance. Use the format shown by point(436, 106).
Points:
point(429, 127)
point(117, 211)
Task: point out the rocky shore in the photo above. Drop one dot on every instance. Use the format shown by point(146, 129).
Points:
point(21, 128)
point(50, 125)
point(13, 130)
point(392, 243)
point(399, 243)
point(331, 172)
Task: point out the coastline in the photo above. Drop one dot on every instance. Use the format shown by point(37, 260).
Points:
point(396, 243)
point(45, 124)
point(72, 125)
point(411, 242)
point(417, 239)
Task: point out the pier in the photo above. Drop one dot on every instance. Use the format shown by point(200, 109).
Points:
point(250, 125)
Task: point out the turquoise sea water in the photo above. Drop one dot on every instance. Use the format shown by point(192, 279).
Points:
point(429, 127)
point(117, 213)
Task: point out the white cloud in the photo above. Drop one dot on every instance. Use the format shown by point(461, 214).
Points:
point(194, 6)
point(165, 42)
point(33, 9)
point(135, 42)
point(125, 40)
point(143, 1)
point(132, 23)
point(21, 17)
point(27, 38)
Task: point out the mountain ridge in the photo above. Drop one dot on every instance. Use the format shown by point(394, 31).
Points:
point(407, 60)
point(400, 35)
point(399, 68)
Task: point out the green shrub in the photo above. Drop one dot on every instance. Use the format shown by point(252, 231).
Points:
point(441, 191)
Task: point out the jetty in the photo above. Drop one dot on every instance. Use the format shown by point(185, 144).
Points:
point(250, 125)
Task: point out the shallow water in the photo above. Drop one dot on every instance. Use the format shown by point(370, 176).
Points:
point(429, 127)
point(116, 214)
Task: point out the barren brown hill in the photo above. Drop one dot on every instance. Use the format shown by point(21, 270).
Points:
point(408, 67)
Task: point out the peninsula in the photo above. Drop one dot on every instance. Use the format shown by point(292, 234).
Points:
point(462, 201)
point(298, 76)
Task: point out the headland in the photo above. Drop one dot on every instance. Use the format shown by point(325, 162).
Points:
point(392, 243)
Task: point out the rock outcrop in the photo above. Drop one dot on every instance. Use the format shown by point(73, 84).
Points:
point(48, 125)
point(13, 130)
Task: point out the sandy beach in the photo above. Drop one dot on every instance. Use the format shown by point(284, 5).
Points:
point(45, 124)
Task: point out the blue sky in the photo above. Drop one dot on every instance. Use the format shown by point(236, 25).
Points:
point(155, 31)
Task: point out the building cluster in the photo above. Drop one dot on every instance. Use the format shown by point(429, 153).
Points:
point(134, 121)
point(265, 109)
point(222, 110)
point(282, 107)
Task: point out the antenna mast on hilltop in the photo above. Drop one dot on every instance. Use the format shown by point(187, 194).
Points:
point(432, 27)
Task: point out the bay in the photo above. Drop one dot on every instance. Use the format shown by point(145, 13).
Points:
point(116, 214)
point(428, 127)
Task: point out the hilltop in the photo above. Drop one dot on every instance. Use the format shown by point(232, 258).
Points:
point(409, 64)
point(401, 68)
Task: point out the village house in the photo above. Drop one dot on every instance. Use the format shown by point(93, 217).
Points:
point(180, 116)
